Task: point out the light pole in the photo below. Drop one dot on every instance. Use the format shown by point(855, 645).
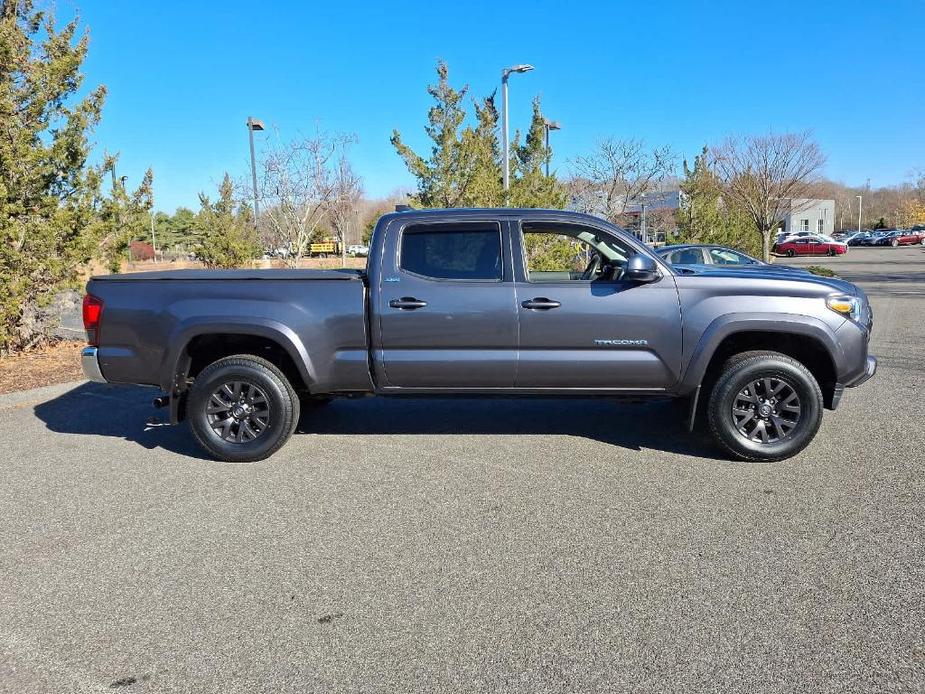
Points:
point(252, 125)
point(643, 232)
point(505, 73)
point(153, 240)
point(550, 125)
point(860, 202)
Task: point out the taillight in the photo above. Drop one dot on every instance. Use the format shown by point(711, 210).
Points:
point(92, 311)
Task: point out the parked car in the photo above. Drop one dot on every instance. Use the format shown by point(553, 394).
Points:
point(683, 255)
point(451, 304)
point(858, 238)
point(787, 235)
point(901, 237)
point(811, 245)
point(358, 250)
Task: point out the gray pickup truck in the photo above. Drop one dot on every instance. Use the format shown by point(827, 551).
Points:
point(494, 302)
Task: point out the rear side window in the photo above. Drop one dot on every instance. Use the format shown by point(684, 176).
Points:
point(452, 252)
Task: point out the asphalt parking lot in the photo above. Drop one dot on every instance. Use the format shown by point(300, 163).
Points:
point(405, 545)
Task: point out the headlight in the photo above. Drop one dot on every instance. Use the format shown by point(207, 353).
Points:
point(846, 305)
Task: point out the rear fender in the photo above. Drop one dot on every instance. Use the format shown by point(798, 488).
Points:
point(176, 361)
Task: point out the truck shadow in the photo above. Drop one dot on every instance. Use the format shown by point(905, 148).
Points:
point(122, 412)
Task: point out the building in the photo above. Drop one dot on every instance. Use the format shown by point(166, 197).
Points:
point(806, 214)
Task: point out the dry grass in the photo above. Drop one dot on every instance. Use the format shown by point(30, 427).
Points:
point(56, 363)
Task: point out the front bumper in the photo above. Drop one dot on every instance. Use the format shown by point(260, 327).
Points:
point(869, 372)
point(91, 365)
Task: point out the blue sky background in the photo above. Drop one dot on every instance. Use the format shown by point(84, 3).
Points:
point(184, 76)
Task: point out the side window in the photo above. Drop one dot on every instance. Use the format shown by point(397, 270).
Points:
point(452, 252)
point(686, 256)
point(804, 225)
point(721, 256)
point(558, 252)
point(820, 225)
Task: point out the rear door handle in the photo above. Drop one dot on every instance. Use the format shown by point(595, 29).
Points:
point(541, 303)
point(407, 303)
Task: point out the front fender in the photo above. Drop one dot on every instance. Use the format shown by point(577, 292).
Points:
point(731, 323)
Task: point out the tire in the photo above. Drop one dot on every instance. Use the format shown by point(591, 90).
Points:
point(923, 242)
point(786, 432)
point(790, 253)
point(833, 252)
point(259, 383)
point(894, 243)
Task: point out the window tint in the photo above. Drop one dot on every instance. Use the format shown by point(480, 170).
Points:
point(721, 256)
point(686, 256)
point(557, 252)
point(443, 251)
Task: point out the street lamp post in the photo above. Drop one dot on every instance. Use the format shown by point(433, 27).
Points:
point(252, 125)
point(550, 125)
point(153, 239)
point(860, 202)
point(505, 73)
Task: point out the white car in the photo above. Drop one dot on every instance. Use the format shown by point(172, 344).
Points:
point(358, 250)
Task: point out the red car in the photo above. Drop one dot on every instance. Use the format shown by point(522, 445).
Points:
point(810, 245)
point(903, 237)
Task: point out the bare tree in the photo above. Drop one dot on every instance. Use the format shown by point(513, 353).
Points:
point(769, 176)
point(616, 173)
point(344, 207)
point(299, 184)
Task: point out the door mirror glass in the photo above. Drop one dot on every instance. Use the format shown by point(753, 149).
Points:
point(641, 268)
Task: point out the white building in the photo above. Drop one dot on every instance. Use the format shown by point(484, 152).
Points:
point(805, 214)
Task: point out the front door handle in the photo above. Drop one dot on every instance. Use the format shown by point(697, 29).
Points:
point(541, 303)
point(407, 303)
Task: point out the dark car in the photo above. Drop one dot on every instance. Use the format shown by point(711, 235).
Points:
point(483, 302)
point(858, 238)
point(689, 255)
point(705, 254)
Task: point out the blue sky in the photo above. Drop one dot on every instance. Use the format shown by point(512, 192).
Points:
point(184, 76)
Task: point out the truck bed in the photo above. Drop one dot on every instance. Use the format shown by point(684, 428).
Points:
point(200, 275)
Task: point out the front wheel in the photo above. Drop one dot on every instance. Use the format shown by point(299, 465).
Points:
point(242, 409)
point(894, 243)
point(765, 406)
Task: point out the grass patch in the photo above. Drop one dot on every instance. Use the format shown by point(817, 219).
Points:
point(822, 271)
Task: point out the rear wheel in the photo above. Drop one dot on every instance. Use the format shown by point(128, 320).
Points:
point(242, 409)
point(765, 406)
point(894, 243)
point(790, 253)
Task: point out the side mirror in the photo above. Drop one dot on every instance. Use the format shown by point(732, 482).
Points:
point(641, 268)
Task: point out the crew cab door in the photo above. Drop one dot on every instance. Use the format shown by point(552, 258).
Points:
point(444, 306)
point(582, 324)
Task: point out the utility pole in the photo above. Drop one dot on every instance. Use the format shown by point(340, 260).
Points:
point(860, 202)
point(252, 125)
point(505, 73)
point(153, 240)
point(549, 125)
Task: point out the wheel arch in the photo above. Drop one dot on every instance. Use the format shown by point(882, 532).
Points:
point(198, 344)
point(804, 338)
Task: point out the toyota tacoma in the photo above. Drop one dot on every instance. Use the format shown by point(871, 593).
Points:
point(493, 302)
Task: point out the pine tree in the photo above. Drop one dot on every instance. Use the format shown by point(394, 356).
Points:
point(706, 215)
point(48, 227)
point(227, 229)
point(530, 186)
point(464, 166)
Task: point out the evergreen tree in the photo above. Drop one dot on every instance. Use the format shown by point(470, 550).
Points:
point(124, 217)
point(47, 190)
point(706, 215)
point(464, 165)
point(227, 230)
point(530, 186)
